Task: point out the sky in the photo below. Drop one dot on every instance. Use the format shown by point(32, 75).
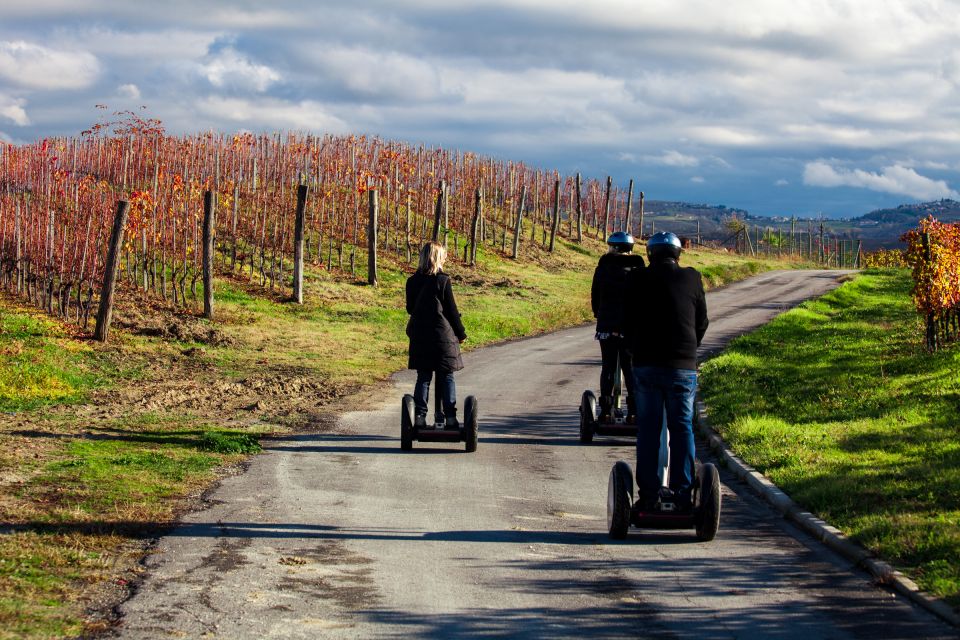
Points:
point(779, 107)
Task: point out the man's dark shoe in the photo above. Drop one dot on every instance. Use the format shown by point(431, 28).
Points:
point(606, 406)
point(451, 420)
point(646, 504)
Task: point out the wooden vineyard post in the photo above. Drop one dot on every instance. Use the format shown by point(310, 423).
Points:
point(822, 249)
point(793, 234)
point(626, 223)
point(233, 233)
point(475, 227)
point(556, 212)
point(931, 324)
point(372, 238)
point(579, 210)
point(105, 311)
point(438, 211)
point(209, 211)
point(18, 251)
point(606, 209)
point(302, 191)
point(516, 229)
point(409, 248)
point(446, 215)
point(640, 234)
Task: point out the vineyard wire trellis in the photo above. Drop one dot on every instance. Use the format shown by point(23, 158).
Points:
point(57, 197)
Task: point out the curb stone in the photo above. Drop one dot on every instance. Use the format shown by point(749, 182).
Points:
point(882, 572)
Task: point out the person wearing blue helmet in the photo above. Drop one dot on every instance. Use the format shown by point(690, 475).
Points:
point(611, 281)
point(667, 321)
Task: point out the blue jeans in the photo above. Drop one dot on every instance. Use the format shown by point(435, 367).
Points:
point(445, 387)
point(673, 390)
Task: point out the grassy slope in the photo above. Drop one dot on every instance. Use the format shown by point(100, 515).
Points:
point(840, 406)
point(77, 483)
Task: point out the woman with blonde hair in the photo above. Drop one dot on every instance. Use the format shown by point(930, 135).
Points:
point(435, 331)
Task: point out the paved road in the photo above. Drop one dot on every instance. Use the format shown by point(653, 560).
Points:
point(342, 535)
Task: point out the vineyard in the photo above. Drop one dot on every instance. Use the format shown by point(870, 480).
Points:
point(259, 204)
point(933, 252)
point(884, 258)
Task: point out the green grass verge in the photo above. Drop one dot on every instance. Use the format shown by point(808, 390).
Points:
point(81, 497)
point(41, 364)
point(839, 405)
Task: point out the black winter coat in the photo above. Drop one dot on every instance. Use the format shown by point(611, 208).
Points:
point(611, 287)
point(667, 316)
point(435, 329)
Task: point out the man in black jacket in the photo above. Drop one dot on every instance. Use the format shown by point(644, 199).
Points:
point(668, 317)
point(608, 297)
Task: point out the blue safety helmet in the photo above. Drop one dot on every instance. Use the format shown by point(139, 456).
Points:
point(663, 245)
point(621, 242)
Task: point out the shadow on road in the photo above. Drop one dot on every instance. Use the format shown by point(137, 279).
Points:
point(708, 598)
point(556, 427)
point(282, 531)
point(346, 443)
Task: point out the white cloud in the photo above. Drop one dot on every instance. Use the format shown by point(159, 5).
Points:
point(724, 136)
point(950, 68)
point(924, 164)
point(129, 91)
point(673, 158)
point(139, 45)
point(12, 109)
point(372, 73)
point(273, 113)
point(781, 183)
point(228, 68)
point(744, 90)
point(37, 67)
point(697, 179)
point(893, 179)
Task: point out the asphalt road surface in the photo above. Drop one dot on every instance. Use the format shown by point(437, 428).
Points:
point(341, 534)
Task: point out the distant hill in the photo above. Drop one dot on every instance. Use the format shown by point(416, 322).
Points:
point(880, 228)
point(943, 210)
point(883, 227)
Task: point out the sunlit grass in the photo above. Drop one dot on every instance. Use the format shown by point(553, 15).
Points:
point(838, 403)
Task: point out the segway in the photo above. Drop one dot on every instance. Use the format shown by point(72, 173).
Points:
point(438, 431)
point(704, 517)
point(589, 416)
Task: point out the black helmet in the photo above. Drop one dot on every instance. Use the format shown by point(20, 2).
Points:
point(663, 245)
point(621, 241)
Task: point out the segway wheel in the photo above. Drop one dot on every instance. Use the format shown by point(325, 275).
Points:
point(470, 424)
point(407, 410)
point(619, 497)
point(588, 416)
point(708, 507)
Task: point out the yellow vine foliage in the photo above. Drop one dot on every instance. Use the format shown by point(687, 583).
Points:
point(885, 258)
point(933, 252)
